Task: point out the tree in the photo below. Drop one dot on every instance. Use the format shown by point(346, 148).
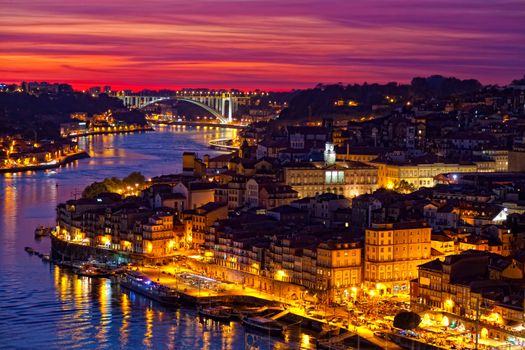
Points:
point(114, 185)
point(519, 81)
point(407, 320)
point(134, 178)
point(404, 187)
point(94, 190)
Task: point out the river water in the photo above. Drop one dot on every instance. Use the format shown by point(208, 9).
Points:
point(45, 307)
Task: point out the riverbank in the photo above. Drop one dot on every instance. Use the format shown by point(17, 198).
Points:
point(209, 125)
point(51, 165)
point(112, 131)
point(223, 145)
point(197, 285)
point(205, 292)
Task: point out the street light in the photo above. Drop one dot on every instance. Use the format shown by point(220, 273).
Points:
point(449, 304)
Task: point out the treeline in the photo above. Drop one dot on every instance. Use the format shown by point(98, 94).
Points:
point(319, 101)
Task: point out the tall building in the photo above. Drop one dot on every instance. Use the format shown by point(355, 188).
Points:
point(339, 268)
point(393, 252)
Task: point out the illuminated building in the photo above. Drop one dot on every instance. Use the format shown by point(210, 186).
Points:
point(105, 222)
point(157, 237)
point(473, 285)
point(203, 217)
point(350, 178)
point(419, 172)
point(339, 267)
point(393, 253)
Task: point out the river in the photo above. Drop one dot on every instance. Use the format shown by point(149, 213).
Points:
point(45, 307)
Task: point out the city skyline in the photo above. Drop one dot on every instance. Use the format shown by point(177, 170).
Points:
point(254, 44)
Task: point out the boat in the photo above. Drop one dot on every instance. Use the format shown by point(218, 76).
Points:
point(46, 257)
point(219, 313)
point(92, 271)
point(29, 250)
point(42, 231)
point(142, 284)
point(263, 324)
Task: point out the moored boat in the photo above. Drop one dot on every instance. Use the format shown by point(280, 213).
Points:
point(92, 271)
point(29, 250)
point(141, 284)
point(46, 257)
point(219, 313)
point(263, 324)
point(42, 231)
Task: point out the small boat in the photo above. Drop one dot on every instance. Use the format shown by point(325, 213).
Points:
point(42, 231)
point(40, 255)
point(92, 271)
point(142, 284)
point(29, 250)
point(219, 313)
point(46, 257)
point(263, 324)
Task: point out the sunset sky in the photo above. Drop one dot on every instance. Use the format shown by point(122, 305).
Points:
point(270, 44)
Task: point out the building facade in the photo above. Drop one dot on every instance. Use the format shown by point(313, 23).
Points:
point(350, 179)
point(392, 254)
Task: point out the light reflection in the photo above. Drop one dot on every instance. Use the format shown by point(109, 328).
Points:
point(104, 292)
point(149, 328)
point(172, 336)
point(10, 205)
point(126, 315)
point(80, 289)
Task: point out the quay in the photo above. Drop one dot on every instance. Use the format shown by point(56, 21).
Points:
point(50, 165)
point(200, 290)
point(222, 145)
point(109, 131)
point(186, 123)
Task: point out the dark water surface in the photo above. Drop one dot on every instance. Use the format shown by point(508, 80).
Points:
point(45, 307)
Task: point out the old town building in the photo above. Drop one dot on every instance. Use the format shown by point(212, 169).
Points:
point(349, 178)
point(392, 254)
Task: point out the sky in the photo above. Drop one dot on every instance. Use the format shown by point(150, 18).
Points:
point(270, 44)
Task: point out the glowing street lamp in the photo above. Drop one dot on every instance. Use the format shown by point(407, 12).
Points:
point(449, 304)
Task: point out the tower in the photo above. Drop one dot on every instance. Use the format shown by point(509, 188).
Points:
point(329, 153)
point(244, 150)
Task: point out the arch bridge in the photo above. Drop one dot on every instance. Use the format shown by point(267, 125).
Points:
point(221, 105)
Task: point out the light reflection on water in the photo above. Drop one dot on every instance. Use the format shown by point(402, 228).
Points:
point(44, 306)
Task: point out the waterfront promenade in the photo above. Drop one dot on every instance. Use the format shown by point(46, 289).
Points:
point(222, 289)
point(110, 130)
point(56, 163)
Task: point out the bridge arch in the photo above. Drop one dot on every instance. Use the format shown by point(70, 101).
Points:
point(213, 112)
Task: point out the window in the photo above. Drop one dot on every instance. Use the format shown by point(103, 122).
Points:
point(334, 177)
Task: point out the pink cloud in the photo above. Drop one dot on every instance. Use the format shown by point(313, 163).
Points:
point(268, 44)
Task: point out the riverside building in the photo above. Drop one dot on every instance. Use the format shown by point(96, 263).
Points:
point(393, 252)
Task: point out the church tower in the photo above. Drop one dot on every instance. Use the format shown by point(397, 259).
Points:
point(329, 154)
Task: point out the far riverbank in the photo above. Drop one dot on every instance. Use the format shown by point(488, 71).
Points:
point(197, 124)
point(51, 165)
point(109, 131)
